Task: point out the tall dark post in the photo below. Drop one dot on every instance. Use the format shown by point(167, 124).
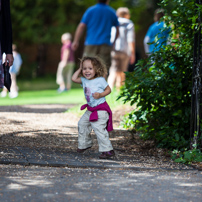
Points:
point(196, 102)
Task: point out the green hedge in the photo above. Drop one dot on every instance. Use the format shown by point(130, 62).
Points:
point(162, 90)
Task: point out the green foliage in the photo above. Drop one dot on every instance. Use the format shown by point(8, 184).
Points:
point(161, 85)
point(44, 21)
point(38, 26)
point(187, 157)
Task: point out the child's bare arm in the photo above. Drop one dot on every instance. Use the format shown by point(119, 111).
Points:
point(106, 92)
point(75, 76)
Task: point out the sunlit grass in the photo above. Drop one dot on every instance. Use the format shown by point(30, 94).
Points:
point(44, 91)
point(74, 96)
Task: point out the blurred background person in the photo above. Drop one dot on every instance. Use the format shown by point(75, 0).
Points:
point(14, 71)
point(155, 35)
point(66, 65)
point(5, 37)
point(98, 21)
point(124, 48)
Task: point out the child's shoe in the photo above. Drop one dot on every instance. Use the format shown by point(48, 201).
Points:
point(107, 155)
point(82, 150)
point(59, 90)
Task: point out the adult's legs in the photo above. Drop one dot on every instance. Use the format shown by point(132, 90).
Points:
point(113, 69)
point(118, 80)
point(102, 51)
point(90, 51)
point(105, 54)
point(70, 68)
point(4, 92)
point(121, 68)
point(14, 88)
point(112, 77)
point(59, 76)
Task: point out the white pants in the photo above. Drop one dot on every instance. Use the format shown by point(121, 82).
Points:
point(99, 127)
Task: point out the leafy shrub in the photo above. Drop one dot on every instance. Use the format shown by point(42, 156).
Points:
point(161, 85)
point(187, 157)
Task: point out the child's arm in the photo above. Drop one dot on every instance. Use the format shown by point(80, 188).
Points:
point(106, 92)
point(75, 76)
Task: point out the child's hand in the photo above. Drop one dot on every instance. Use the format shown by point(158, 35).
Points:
point(96, 95)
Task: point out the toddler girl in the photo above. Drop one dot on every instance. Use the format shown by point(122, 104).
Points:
point(98, 115)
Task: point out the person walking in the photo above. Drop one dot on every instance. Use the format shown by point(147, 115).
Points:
point(66, 64)
point(124, 49)
point(98, 115)
point(155, 35)
point(98, 21)
point(5, 37)
point(14, 71)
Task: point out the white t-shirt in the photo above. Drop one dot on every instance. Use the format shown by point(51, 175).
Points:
point(91, 86)
point(126, 35)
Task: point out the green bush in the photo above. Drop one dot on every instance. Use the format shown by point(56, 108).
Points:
point(162, 89)
point(187, 157)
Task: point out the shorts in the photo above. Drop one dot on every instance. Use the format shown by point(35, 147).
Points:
point(120, 61)
point(102, 51)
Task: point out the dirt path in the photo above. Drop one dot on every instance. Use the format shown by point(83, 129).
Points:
point(49, 126)
point(41, 125)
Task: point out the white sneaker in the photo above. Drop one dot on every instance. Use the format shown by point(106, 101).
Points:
point(3, 94)
point(13, 94)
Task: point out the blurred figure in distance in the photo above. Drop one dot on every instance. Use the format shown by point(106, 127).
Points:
point(155, 35)
point(14, 71)
point(5, 37)
point(124, 48)
point(66, 64)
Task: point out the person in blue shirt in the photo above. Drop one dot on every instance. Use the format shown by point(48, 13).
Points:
point(97, 21)
point(155, 34)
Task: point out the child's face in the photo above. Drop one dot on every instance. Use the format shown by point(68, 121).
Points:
point(88, 70)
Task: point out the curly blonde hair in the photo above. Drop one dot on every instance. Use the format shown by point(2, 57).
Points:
point(98, 64)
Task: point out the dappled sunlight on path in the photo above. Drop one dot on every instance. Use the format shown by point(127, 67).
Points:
point(39, 128)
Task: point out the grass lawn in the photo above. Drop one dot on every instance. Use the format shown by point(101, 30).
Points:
point(45, 97)
point(44, 91)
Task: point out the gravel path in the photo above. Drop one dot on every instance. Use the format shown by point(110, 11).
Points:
point(147, 173)
point(49, 127)
point(50, 184)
